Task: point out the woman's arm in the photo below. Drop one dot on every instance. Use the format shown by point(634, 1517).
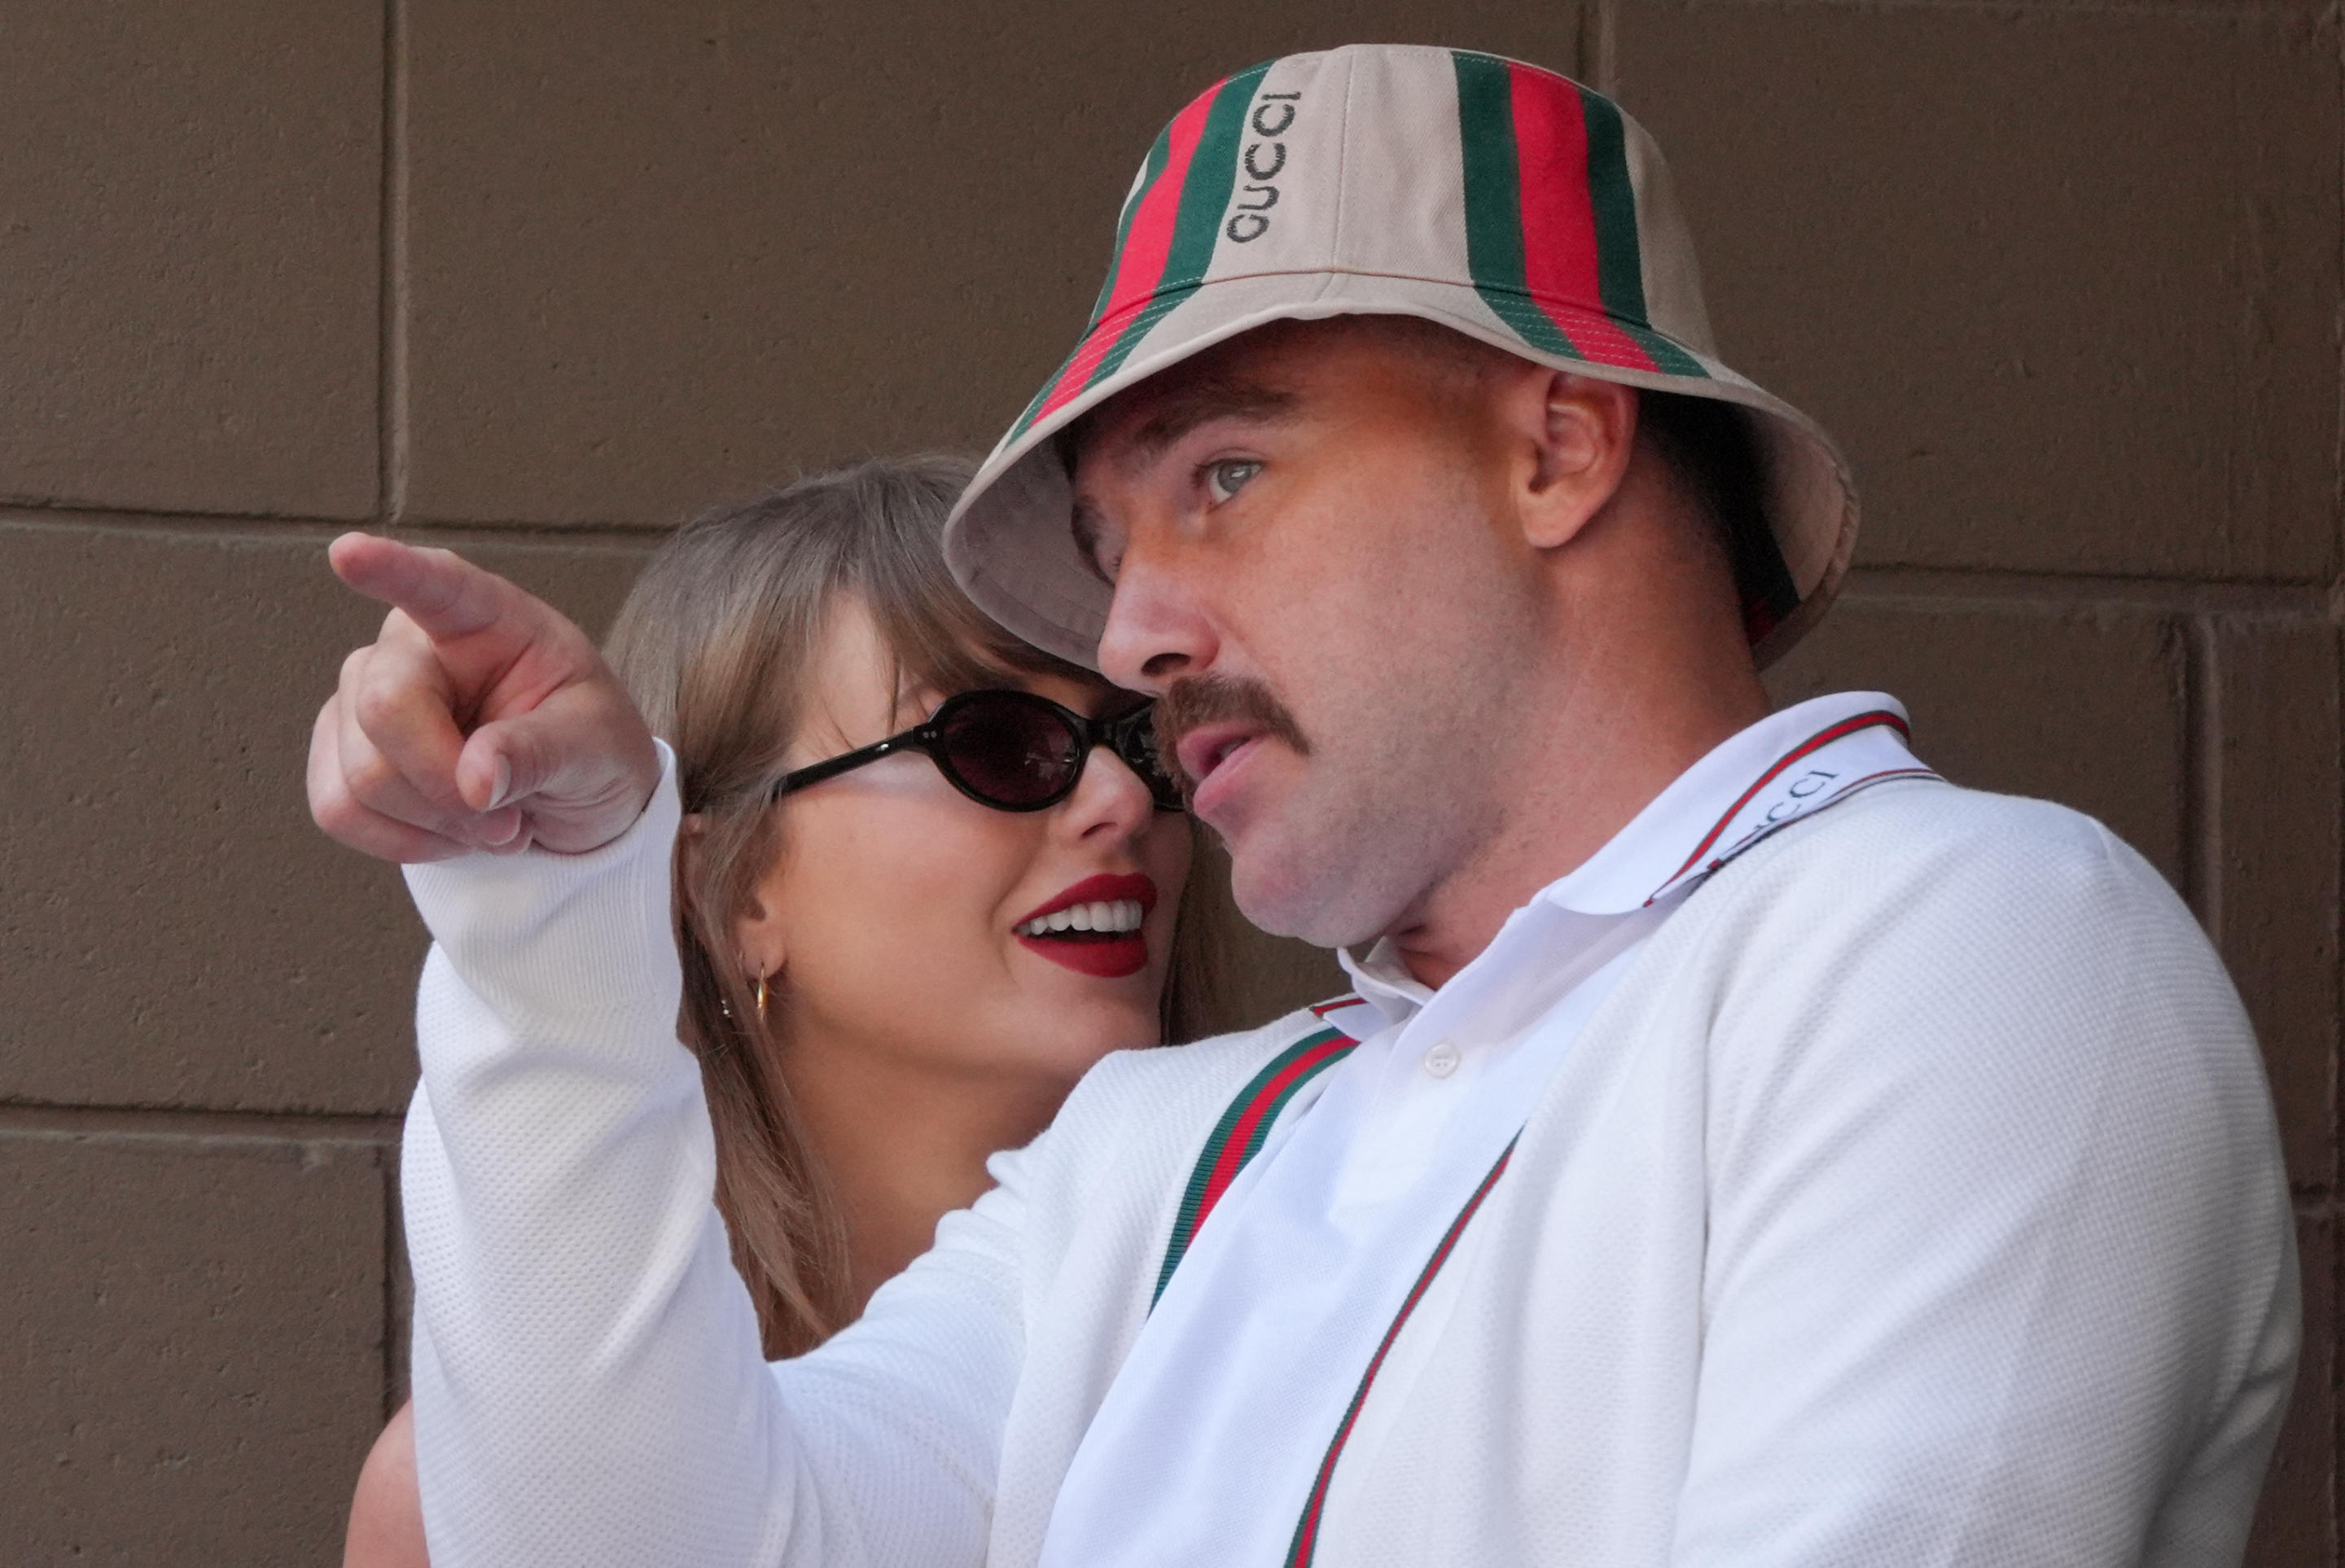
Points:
point(386, 1515)
point(587, 1381)
point(588, 1384)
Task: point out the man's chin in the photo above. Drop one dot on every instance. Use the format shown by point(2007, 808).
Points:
point(1296, 895)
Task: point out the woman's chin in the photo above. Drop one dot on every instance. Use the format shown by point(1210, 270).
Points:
point(1077, 1001)
point(1075, 1019)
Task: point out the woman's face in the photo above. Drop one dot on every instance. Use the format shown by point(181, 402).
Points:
point(893, 910)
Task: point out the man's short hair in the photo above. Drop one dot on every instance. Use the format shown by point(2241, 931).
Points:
point(1712, 454)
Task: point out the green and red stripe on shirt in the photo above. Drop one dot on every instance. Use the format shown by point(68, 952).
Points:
point(1305, 1544)
point(1238, 1136)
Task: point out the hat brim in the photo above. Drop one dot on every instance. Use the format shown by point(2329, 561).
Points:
point(1011, 543)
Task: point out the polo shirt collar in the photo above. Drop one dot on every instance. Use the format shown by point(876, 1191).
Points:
point(1739, 792)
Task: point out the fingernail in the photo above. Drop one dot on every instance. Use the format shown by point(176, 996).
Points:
point(500, 781)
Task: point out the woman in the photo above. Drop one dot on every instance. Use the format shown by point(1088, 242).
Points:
point(895, 964)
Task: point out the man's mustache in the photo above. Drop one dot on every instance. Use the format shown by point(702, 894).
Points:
point(1215, 699)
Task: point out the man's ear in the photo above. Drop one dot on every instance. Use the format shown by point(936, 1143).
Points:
point(1582, 432)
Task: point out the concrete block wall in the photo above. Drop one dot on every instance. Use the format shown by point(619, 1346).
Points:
point(537, 280)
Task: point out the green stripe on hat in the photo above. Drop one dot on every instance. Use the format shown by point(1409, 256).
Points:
point(1197, 231)
point(1620, 258)
point(1494, 233)
point(1206, 170)
point(1552, 243)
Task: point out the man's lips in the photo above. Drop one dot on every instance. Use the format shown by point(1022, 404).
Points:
point(1108, 942)
point(1208, 746)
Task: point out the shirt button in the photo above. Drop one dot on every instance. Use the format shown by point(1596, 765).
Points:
point(1441, 1060)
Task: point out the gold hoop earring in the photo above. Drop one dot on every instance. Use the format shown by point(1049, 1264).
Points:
point(761, 996)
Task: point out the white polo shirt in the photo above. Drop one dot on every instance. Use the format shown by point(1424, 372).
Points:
point(1316, 1260)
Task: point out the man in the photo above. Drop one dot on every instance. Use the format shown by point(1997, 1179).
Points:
point(1743, 1147)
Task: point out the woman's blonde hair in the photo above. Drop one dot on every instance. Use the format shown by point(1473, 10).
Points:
point(714, 643)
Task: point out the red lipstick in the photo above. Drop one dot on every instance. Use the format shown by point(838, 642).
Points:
point(1110, 955)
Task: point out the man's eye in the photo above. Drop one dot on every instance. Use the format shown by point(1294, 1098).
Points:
point(1224, 479)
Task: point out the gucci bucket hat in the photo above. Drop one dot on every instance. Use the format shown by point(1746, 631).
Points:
point(1501, 200)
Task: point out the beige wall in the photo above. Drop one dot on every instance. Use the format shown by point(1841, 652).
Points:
point(537, 279)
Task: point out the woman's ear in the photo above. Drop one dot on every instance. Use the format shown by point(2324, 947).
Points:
point(755, 935)
point(1583, 431)
point(758, 941)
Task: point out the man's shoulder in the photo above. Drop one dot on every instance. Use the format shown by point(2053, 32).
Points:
point(1924, 890)
point(1928, 840)
point(1931, 810)
point(1928, 881)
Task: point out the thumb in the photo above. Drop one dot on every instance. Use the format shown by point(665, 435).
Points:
point(515, 759)
point(579, 770)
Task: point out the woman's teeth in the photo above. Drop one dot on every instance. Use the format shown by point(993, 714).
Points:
point(1122, 915)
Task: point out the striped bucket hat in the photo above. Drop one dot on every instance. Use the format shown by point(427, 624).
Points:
point(1501, 200)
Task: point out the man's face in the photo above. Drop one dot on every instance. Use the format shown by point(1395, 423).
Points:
point(1315, 566)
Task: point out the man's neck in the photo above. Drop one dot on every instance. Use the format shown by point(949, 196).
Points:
point(1611, 747)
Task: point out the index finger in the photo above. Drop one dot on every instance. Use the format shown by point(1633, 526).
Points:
point(444, 594)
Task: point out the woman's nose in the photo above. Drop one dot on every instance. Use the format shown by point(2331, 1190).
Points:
point(1109, 798)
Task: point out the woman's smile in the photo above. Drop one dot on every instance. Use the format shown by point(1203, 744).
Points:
point(1094, 926)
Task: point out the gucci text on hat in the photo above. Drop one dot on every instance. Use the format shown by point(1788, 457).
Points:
point(1494, 197)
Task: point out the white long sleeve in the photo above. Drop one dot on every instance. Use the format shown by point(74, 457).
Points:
point(588, 1384)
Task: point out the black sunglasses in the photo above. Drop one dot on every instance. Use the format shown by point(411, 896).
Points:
point(1013, 751)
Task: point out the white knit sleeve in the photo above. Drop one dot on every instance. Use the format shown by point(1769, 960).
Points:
point(588, 1384)
point(2001, 1268)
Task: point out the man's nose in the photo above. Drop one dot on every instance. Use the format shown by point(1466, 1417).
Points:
point(1157, 629)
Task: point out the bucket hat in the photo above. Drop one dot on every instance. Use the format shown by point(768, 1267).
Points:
point(1504, 201)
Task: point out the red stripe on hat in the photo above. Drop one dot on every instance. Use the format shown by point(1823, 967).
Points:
point(1558, 218)
point(1139, 268)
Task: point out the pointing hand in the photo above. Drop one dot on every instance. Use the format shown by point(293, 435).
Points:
point(480, 719)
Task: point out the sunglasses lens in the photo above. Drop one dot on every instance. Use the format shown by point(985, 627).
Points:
point(1137, 747)
point(1008, 748)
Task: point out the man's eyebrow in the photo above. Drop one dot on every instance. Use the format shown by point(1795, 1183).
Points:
point(1183, 411)
point(1180, 412)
